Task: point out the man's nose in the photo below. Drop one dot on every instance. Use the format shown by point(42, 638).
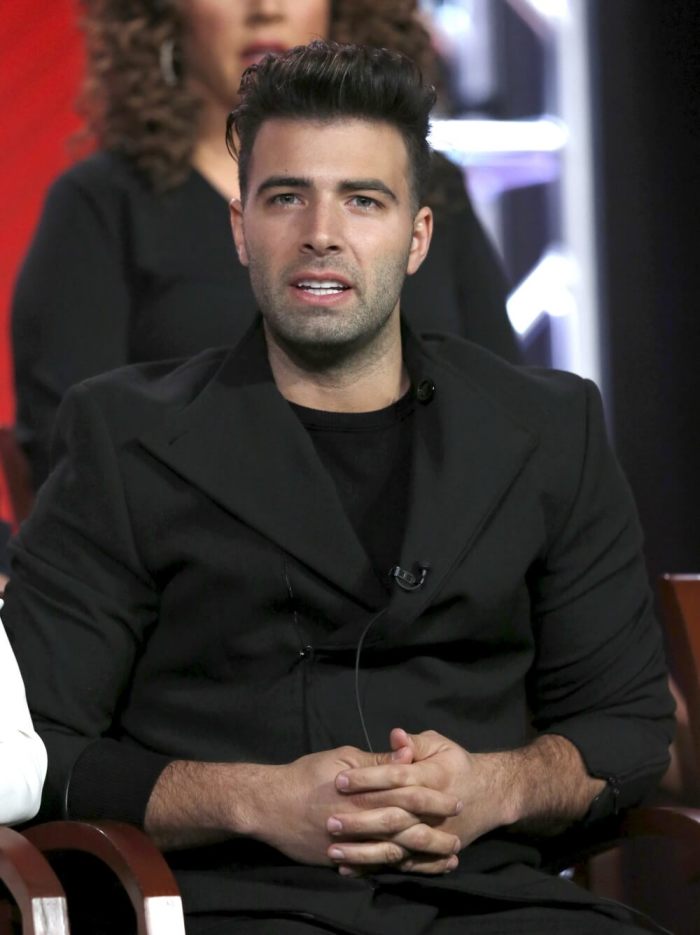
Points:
point(322, 234)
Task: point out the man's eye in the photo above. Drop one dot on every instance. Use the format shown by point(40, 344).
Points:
point(285, 198)
point(364, 201)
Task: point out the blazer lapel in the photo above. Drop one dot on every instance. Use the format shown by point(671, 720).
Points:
point(240, 443)
point(468, 453)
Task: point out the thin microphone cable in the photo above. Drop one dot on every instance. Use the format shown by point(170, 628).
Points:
point(407, 581)
point(358, 653)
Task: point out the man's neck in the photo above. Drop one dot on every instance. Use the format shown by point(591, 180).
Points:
point(364, 382)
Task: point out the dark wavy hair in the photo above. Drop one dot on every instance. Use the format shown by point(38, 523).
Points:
point(326, 81)
point(129, 107)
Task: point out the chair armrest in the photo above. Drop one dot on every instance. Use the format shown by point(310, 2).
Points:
point(133, 857)
point(606, 870)
point(33, 885)
point(681, 825)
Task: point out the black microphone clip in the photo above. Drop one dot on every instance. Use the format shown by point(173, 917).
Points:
point(407, 580)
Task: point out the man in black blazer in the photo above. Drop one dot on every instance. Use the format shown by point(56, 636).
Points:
point(353, 622)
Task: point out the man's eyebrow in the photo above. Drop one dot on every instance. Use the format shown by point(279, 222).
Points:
point(347, 185)
point(367, 185)
point(283, 181)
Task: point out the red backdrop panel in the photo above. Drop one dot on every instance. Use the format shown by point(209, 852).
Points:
point(40, 69)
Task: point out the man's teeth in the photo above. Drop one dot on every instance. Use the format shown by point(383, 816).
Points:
point(324, 287)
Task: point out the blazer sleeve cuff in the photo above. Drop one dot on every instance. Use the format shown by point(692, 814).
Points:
point(629, 757)
point(114, 780)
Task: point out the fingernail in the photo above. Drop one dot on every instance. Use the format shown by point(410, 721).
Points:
point(458, 846)
point(337, 853)
point(342, 781)
point(458, 807)
point(451, 864)
point(334, 824)
point(347, 872)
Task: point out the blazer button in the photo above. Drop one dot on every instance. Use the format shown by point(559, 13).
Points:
point(425, 391)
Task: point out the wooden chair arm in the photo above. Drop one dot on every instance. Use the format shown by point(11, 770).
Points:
point(681, 825)
point(132, 856)
point(606, 871)
point(34, 886)
point(667, 820)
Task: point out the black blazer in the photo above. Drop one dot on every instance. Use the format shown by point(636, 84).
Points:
point(189, 547)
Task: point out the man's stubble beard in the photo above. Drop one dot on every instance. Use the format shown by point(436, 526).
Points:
point(318, 339)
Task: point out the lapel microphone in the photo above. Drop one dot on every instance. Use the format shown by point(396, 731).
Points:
point(408, 580)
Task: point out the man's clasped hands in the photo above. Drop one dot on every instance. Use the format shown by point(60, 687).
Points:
point(412, 809)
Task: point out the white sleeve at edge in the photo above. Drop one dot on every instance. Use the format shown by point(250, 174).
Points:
point(22, 753)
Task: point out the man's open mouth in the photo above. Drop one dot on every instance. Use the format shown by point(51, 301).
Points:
point(321, 286)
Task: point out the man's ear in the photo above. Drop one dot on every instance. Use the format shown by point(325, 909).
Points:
point(236, 213)
point(420, 239)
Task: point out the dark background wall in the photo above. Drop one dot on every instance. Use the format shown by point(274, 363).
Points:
point(647, 93)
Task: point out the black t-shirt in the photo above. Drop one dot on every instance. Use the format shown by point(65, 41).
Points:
point(368, 456)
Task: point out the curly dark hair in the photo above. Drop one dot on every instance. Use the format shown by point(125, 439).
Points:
point(129, 107)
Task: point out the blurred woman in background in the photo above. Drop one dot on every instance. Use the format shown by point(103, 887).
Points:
point(133, 258)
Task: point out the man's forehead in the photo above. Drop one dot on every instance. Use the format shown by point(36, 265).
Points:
point(331, 148)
